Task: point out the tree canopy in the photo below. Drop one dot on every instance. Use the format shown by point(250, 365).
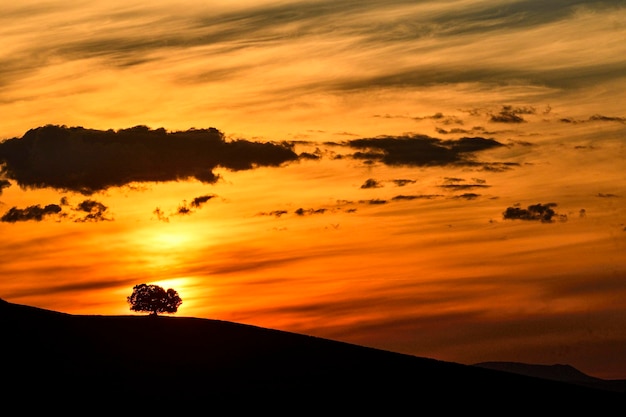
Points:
point(154, 299)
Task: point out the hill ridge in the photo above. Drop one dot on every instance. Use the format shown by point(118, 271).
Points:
point(556, 372)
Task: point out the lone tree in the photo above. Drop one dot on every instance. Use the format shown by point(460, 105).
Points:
point(154, 299)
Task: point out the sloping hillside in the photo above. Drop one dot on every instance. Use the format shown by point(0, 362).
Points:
point(67, 360)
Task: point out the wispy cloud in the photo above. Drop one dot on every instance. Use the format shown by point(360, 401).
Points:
point(130, 35)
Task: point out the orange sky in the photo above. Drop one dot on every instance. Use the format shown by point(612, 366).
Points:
point(413, 256)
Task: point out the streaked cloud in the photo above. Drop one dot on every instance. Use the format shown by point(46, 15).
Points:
point(369, 45)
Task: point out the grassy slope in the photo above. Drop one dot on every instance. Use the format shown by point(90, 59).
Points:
point(63, 360)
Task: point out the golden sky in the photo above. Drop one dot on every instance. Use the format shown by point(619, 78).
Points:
point(439, 178)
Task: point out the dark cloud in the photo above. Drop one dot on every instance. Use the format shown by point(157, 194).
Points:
point(601, 118)
point(160, 215)
point(441, 118)
point(374, 201)
point(94, 209)
point(340, 206)
point(273, 213)
point(183, 209)
point(342, 203)
point(471, 144)
point(595, 118)
point(369, 157)
point(463, 186)
point(473, 131)
point(35, 212)
point(416, 197)
point(403, 182)
point(497, 166)
point(91, 206)
point(451, 183)
point(607, 195)
point(468, 196)
point(537, 212)
point(371, 183)
point(420, 150)
point(4, 184)
point(87, 160)
point(510, 114)
point(451, 180)
point(401, 116)
point(308, 155)
point(303, 212)
point(199, 201)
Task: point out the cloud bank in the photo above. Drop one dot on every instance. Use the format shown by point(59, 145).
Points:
point(88, 210)
point(87, 160)
point(421, 150)
point(536, 212)
point(34, 212)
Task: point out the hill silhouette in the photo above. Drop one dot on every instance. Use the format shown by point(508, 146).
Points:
point(557, 372)
point(92, 362)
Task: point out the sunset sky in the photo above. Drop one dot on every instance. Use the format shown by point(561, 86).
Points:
point(440, 178)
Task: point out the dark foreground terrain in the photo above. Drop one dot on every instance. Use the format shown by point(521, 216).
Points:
point(92, 364)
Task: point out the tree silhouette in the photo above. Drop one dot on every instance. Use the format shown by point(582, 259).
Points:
point(154, 299)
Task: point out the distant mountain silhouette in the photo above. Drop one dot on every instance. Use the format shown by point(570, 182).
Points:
point(91, 363)
point(557, 372)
